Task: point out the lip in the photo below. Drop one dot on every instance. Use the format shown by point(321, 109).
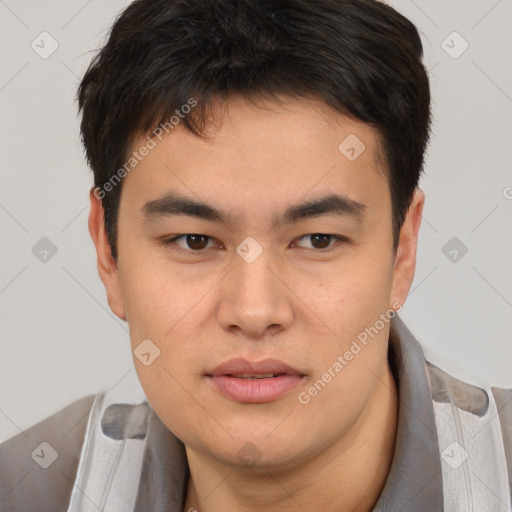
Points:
point(259, 390)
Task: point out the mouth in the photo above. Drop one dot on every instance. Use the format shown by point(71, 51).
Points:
point(254, 382)
point(256, 375)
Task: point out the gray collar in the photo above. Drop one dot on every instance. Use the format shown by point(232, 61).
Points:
point(414, 483)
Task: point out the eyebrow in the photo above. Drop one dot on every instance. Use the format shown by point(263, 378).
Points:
point(332, 204)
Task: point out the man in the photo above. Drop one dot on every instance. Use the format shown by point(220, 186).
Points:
point(255, 215)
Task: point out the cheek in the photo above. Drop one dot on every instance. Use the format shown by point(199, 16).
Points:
point(351, 359)
point(162, 319)
point(339, 396)
point(155, 299)
point(349, 299)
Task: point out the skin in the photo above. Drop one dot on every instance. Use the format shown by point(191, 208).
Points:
point(297, 302)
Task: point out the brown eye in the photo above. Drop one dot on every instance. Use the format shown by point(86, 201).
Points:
point(320, 240)
point(189, 243)
point(196, 242)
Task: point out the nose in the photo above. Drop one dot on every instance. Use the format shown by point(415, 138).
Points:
point(255, 298)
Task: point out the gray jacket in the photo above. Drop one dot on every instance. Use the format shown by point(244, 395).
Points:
point(110, 451)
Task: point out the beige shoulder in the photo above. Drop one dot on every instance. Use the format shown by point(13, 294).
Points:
point(38, 466)
point(503, 399)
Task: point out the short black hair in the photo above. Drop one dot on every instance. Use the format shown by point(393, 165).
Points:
point(361, 57)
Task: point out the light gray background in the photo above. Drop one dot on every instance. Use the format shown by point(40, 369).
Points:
point(59, 339)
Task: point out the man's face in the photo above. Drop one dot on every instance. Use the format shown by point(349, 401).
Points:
point(252, 289)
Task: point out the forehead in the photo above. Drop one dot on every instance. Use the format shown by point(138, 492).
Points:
point(287, 123)
point(267, 150)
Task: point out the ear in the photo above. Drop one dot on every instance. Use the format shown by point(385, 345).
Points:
point(405, 259)
point(107, 267)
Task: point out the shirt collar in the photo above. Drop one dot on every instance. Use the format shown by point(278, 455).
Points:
point(414, 482)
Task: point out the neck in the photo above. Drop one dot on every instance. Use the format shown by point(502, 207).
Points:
point(348, 476)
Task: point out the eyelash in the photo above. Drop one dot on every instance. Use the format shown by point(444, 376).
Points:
point(166, 242)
